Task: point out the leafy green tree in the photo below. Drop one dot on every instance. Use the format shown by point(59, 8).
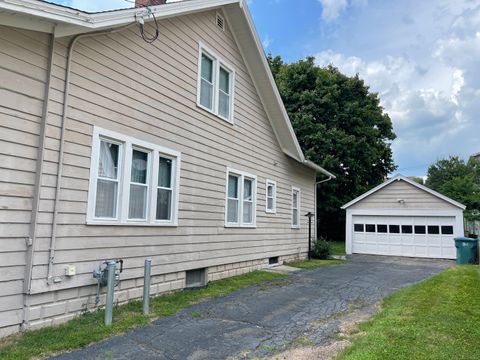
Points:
point(417, 180)
point(342, 127)
point(458, 180)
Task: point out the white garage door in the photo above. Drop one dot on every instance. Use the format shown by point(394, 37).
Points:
point(430, 237)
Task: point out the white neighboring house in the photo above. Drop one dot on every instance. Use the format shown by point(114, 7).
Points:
point(403, 218)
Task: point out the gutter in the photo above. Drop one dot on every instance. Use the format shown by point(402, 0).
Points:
point(50, 278)
point(96, 21)
point(318, 168)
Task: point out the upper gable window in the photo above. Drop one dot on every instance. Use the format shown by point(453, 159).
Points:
point(215, 85)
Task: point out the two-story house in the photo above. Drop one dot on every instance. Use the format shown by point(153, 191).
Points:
point(145, 132)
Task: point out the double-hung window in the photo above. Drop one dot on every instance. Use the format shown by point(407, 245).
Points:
point(241, 199)
point(139, 179)
point(271, 197)
point(132, 182)
point(295, 207)
point(108, 179)
point(215, 85)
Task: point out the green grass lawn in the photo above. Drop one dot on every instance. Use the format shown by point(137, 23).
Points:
point(89, 328)
point(314, 263)
point(338, 247)
point(436, 319)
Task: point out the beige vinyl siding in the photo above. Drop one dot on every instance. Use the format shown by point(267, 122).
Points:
point(387, 198)
point(149, 92)
point(23, 63)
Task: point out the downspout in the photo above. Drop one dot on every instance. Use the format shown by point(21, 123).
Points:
point(316, 185)
point(50, 278)
point(32, 234)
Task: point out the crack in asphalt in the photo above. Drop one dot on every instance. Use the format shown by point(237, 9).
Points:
point(254, 322)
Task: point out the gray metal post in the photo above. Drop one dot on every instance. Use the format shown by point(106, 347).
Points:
point(111, 267)
point(146, 286)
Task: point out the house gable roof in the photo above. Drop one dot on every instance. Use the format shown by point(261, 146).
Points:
point(63, 21)
point(409, 181)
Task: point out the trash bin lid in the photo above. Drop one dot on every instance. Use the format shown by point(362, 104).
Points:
point(465, 239)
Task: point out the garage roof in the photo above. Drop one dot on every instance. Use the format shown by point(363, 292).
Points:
point(63, 21)
point(409, 181)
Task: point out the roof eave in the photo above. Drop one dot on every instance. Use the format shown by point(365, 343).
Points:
point(72, 22)
point(78, 22)
point(411, 182)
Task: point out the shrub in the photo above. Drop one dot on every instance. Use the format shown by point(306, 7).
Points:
point(321, 249)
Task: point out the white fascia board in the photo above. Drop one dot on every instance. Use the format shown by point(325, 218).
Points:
point(405, 212)
point(87, 22)
point(271, 80)
point(368, 193)
point(411, 182)
point(433, 192)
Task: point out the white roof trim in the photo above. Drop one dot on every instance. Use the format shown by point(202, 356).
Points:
point(409, 181)
point(71, 22)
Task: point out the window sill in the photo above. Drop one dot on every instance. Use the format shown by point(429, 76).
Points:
point(135, 224)
point(270, 211)
point(252, 226)
point(228, 121)
point(296, 227)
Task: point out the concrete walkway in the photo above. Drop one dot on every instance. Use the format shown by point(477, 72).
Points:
point(262, 320)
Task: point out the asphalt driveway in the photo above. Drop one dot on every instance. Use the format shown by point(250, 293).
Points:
point(260, 320)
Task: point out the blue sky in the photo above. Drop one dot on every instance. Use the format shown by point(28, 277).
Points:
point(422, 57)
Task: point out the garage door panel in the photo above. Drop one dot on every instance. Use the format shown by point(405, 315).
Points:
point(419, 236)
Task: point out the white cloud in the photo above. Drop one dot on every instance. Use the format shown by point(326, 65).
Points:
point(434, 101)
point(267, 41)
point(331, 9)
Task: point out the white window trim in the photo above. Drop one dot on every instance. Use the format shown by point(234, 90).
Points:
point(241, 175)
point(274, 183)
point(218, 62)
point(298, 206)
point(155, 151)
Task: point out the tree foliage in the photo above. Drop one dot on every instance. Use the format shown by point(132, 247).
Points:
point(458, 180)
point(340, 126)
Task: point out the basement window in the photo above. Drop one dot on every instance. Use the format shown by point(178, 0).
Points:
point(195, 278)
point(273, 260)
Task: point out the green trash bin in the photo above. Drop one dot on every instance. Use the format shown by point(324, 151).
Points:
point(467, 250)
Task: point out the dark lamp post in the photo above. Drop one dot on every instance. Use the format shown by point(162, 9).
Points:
point(310, 215)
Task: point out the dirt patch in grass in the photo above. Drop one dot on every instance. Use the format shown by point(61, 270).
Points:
point(348, 330)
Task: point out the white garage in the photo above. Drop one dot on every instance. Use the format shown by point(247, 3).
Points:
point(403, 218)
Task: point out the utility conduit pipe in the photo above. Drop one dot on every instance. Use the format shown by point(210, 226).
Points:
point(50, 278)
